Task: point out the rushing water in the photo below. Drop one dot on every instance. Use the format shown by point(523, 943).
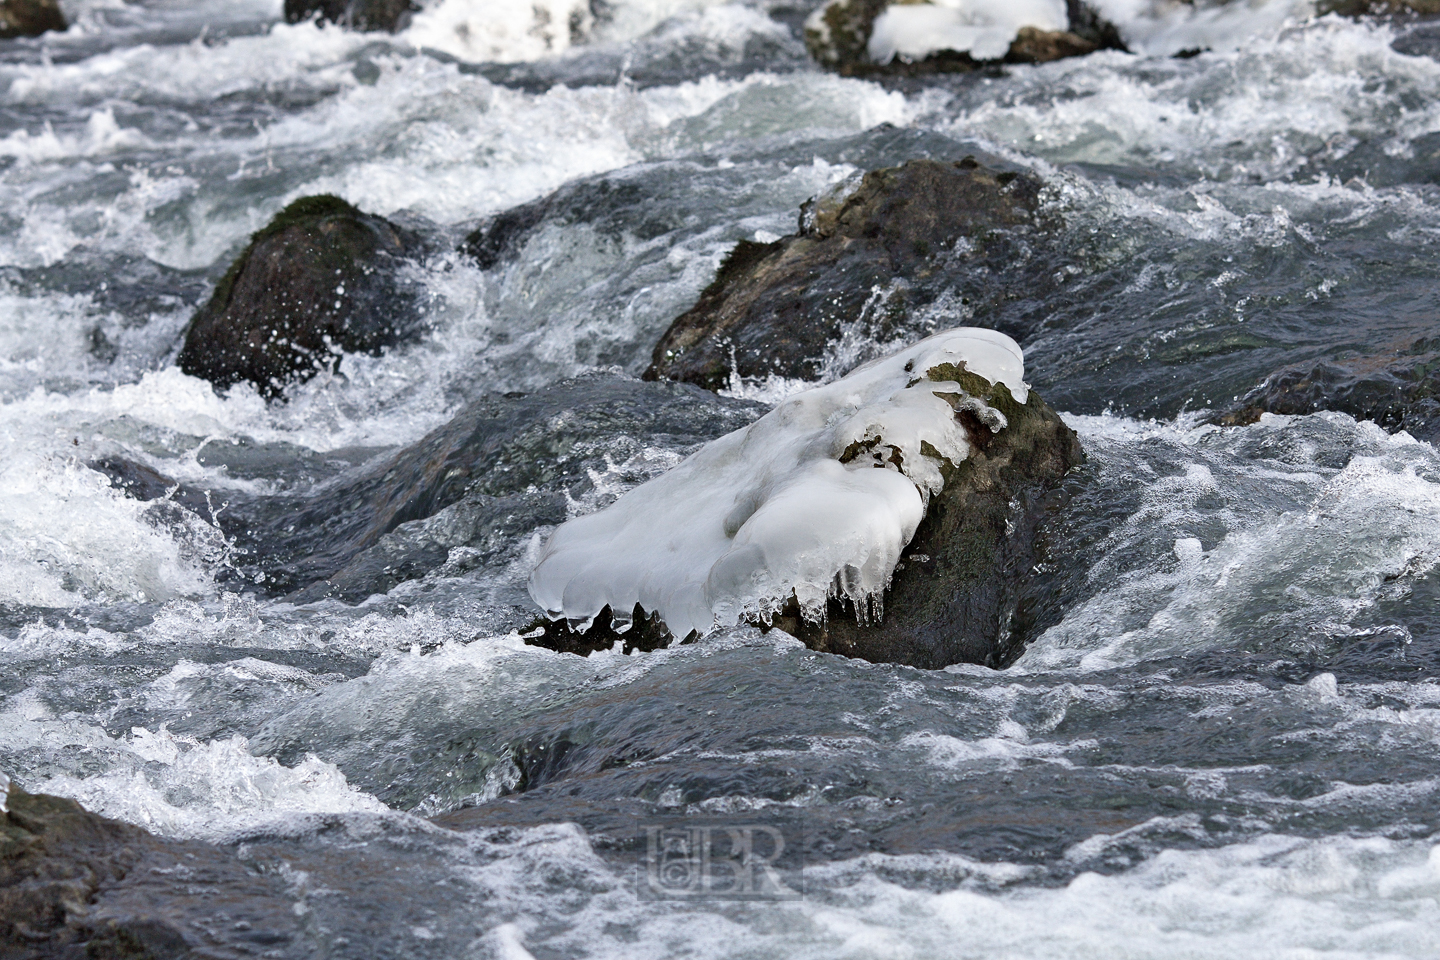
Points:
point(1226, 742)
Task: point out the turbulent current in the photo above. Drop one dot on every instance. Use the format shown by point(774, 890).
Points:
point(1223, 738)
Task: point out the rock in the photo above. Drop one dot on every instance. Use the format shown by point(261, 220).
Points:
point(1378, 8)
point(1397, 388)
point(368, 15)
point(965, 591)
point(874, 256)
point(29, 18)
point(319, 279)
point(612, 204)
point(1087, 24)
point(1032, 45)
point(839, 34)
point(74, 884)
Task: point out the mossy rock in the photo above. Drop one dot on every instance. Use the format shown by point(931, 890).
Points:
point(319, 280)
point(30, 18)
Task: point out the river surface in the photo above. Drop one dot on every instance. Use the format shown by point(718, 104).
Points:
point(1225, 741)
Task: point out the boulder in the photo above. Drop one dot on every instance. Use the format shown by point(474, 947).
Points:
point(319, 280)
point(962, 594)
point(841, 36)
point(368, 15)
point(873, 254)
point(29, 18)
point(75, 884)
point(963, 586)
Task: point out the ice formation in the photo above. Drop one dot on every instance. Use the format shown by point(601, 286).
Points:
point(985, 28)
point(982, 28)
point(816, 498)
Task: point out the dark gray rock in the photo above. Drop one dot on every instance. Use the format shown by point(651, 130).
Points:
point(841, 39)
point(30, 18)
point(503, 466)
point(1378, 8)
point(903, 238)
point(389, 15)
point(613, 204)
point(500, 468)
point(318, 280)
point(77, 885)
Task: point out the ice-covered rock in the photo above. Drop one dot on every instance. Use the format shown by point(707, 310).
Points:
point(862, 37)
point(807, 512)
point(983, 30)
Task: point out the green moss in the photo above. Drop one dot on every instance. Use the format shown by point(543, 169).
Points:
point(737, 263)
point(997, 395)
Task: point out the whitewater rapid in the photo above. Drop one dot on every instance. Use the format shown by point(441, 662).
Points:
point(1225, 743)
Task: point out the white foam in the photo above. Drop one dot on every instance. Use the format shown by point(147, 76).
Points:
point(179, 787)
point(67, 536)
point(769, 510)
point(1274, 896)
point(1296, 569)
point(1258, 110)
point(102, 135)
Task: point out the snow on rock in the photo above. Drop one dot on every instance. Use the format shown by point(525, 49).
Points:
point(982, 28)
point(816, 499)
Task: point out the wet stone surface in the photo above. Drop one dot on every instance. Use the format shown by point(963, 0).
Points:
point(866, 263)
point(319, 280)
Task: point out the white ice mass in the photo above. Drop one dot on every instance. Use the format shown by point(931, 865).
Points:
point(770, 509)
point(982, 28)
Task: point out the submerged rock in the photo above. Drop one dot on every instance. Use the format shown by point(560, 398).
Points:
point(870, 256)
point(466, 495)
point(390, 15)
point(614, 204)
point(320, 279)
point(881, 37)
point(893, 515)
point(29, 18)
point(1398, 389)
